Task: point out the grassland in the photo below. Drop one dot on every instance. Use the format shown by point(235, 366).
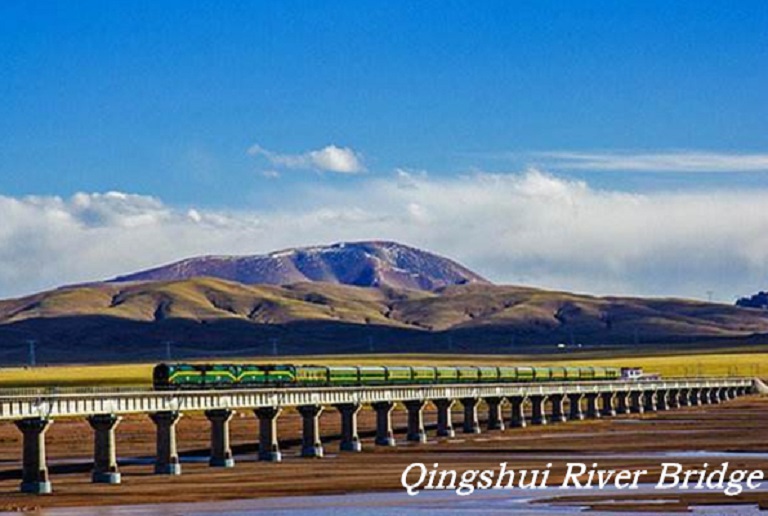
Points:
point(744, 362)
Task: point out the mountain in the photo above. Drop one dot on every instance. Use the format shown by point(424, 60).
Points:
point(363, 264)
point(205, 317)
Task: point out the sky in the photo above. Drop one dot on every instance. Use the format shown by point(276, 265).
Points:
point(601, 147)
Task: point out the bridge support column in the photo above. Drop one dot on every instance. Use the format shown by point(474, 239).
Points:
point(495, 417)
point(416, 432)
point(695, 396)
point(662, 396)
point(650, 401)
point(593, 411)
point(269, 447)
point(350, 440)
point(723, 393)
point(471, 424)
point(714, 395)
point(538, 414)
point(733, 392)
point(622, 402)
point(636, 402)
point(558, 409)
point(705, 396)
point(574, 400)
point(167, 460)
point(608, 410)
point(311, 445)
point(685, 397)
point(104, 455)
point(221, 452)
point(674, 398)
point(517, 417)
point(444, 420)
point(384, 434)
point(34, 473)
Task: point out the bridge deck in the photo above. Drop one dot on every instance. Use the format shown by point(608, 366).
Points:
point(30, 403)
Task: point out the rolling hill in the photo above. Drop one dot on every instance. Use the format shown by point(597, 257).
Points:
point(210, 316)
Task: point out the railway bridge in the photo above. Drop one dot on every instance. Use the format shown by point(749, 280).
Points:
point(509, 404)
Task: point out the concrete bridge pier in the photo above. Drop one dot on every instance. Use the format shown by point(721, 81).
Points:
point(167, 460)
point(104, 454)
point(622, 402)
point(733, 393)
point(558, 408)
point(416, 432)
point(674, 399)
point(650, 401)
point(471, 424)
point(495, 417)
point(269, 447)
point(696, 396)
point(636, 402)
point(34, 472)
point(538, 414)
point(593, 411)
point(608, 410)
point(350, 440)
point(714, 395)
point(723, 394)
point(311, 445)
point(517, 417)
point(221, 452)
point(685, 397)
point(384, 434)
point(705, 396)
point(574, 403)
point(444, 419)
point(662, 400)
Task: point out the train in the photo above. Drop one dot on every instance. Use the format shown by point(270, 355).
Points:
point(228, 376)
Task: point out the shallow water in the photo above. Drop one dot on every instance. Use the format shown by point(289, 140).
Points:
point(396, 503)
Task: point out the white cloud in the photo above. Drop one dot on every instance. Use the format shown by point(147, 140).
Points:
point(684, 161)
point(532, 228)
point(331, 158)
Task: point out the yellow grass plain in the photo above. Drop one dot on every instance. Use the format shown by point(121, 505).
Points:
point(731, 363)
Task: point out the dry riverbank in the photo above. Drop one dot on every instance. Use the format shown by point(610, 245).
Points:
point(625, 442)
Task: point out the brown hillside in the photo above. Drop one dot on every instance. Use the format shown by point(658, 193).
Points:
point(206, 314)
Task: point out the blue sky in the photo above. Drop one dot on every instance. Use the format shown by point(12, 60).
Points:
point(165, 99)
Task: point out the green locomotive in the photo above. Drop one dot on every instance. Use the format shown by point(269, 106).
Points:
point(222, 376)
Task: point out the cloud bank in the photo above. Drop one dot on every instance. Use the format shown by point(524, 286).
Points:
point(531, 228)
point(331, 158)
